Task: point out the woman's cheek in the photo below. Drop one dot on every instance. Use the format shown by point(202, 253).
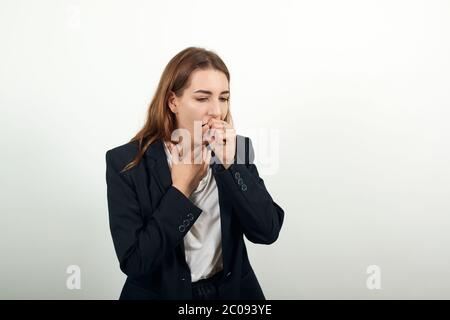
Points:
point(224, 113)
point(194, 111)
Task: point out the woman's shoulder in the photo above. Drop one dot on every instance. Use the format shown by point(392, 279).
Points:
point(122, 154)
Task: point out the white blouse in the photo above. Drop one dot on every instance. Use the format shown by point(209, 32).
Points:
point(203, 242)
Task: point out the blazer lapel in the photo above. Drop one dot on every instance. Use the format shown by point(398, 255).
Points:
point(157, 163)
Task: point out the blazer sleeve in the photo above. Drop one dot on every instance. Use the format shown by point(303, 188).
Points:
point(141, 243)
point(261, 218)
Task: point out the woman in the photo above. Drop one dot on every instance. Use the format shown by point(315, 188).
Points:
point(183, 192)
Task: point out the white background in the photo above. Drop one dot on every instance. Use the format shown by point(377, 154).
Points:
point(358, 92)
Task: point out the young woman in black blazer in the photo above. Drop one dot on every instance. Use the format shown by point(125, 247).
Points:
point(184, 191)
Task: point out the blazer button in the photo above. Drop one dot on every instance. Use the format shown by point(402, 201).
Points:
point(237, 175)
point(183, 279)
point(240, 181)
point(190, 216)
point(244, 187)
point(185, 223)
point(228, 274)
point(181, 228)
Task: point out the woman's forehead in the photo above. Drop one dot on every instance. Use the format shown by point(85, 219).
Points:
point(208, 82)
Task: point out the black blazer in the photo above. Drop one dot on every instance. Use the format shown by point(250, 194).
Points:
point(149, 217)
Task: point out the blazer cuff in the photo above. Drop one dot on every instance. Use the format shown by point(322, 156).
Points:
point(177, 214)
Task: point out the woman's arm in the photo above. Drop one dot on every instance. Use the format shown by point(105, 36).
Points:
point(139, 246)
point(260, 217)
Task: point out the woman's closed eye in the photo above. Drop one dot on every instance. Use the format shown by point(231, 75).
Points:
point(206, 99)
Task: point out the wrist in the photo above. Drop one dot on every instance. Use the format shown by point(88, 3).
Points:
point(182, 189)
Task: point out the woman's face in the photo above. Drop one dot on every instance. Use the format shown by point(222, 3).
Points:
point(206, 97)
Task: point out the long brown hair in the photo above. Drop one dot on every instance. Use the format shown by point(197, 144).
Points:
point(161, 120)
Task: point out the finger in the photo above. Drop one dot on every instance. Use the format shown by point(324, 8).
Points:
point(219, 125)
point(212, 122)
point(215, 132)
point(220, 137)
point(219, 130)
point(230, 131)
point(209, 135)
point(230, 135)
point(204, 154)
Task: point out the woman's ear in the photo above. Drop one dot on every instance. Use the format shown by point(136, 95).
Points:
point(172, 102)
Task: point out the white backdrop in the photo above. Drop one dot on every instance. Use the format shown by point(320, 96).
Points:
point(357, 91)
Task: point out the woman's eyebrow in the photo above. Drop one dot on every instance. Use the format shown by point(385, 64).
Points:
point(209, 92)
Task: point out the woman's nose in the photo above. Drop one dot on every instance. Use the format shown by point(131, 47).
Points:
point(214, 110)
